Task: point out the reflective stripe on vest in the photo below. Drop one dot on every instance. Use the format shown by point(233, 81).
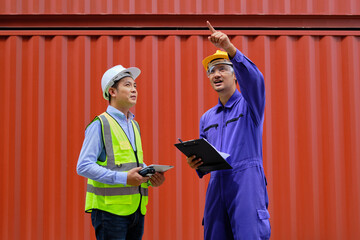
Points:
point(108, 143)
point(116, 191)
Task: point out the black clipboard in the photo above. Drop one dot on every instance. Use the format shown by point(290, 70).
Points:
point(201, 148)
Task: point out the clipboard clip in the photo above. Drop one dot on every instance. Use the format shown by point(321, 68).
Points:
point(188, 143)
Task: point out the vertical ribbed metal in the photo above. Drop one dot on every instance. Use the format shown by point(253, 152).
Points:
point(50, 91)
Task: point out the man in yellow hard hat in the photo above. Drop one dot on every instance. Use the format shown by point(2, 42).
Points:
point(236, 199)
point(111, 158)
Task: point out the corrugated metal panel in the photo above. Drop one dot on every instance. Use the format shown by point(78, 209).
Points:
point(50, 90)
point(92, 24)
point(180, 7)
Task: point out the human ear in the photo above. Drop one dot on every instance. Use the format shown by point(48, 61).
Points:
point(112, 91)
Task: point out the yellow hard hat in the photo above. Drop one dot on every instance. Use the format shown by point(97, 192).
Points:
point(217, 55)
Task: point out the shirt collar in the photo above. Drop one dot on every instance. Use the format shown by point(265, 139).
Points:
point(118, 114)
point(232, 100)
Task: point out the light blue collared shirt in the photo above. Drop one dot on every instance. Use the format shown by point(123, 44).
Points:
point(93, 149)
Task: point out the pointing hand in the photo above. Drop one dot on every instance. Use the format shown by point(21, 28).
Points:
point(221, 40)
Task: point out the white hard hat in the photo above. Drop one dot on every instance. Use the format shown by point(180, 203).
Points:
point(116, 73)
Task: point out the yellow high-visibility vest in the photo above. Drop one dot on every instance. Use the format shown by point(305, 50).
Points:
point(120, 156)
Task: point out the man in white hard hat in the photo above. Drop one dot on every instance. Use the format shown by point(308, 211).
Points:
point(236, 199)
point(111, 158)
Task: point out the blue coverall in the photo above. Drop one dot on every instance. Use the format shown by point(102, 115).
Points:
point(236, 199)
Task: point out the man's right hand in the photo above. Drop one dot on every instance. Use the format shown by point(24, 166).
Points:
point(194, 163)
point(134, 178)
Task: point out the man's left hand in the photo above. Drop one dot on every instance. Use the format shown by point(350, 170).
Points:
point(157, 179)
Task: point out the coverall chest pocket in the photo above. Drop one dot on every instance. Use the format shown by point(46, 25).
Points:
point(234, 120)
point(211, 131)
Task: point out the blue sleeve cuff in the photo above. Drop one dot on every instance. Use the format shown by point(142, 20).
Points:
point(121, 178)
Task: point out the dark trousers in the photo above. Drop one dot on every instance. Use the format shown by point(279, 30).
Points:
point(113, 227)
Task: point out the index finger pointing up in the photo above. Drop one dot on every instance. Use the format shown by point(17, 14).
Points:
point(212, 30)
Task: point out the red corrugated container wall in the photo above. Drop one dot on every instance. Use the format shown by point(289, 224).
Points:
point(50, 90)
point(322, 7)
